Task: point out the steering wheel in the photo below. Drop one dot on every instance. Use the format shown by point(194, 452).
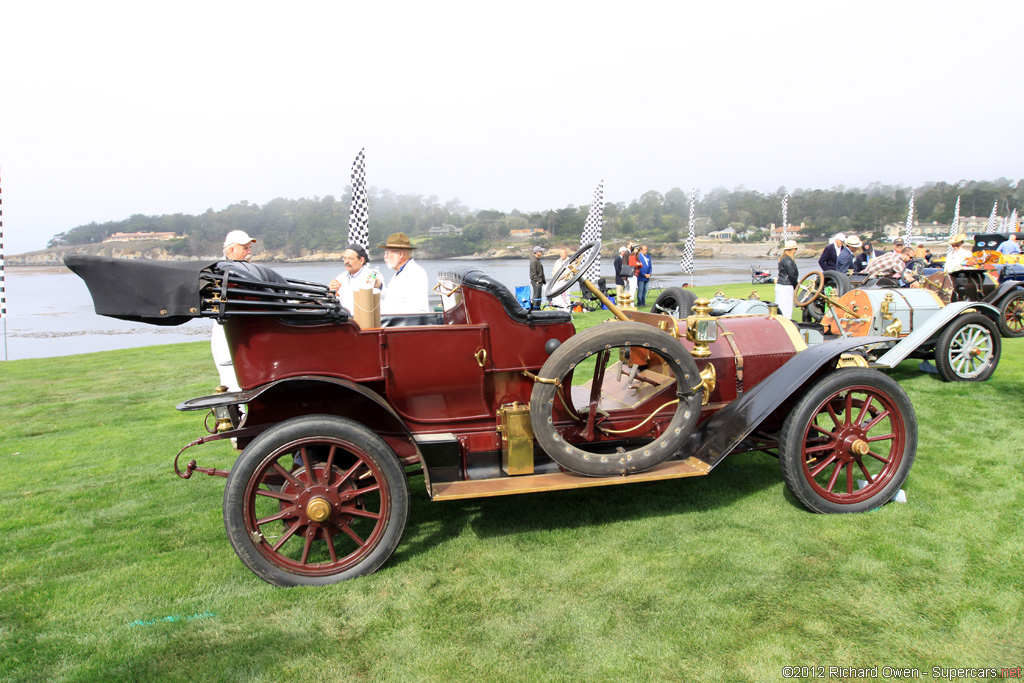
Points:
point(573, 269)
point(808, 288)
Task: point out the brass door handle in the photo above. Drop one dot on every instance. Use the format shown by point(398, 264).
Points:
point(481, 357)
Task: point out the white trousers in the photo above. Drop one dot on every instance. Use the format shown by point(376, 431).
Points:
point(222, 358)
point(784, 298)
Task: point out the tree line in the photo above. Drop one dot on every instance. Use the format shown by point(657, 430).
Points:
point(297, 227)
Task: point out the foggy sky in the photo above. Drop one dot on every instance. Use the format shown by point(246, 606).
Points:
point(109, 109)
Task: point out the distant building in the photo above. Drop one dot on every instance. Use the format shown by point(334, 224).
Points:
point(792, 232)
point(526, 234)
point(933, 230)
point(136, 236)
point(726, 234)
point(445, 229)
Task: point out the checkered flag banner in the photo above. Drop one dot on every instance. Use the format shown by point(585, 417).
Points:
point(359, 212)
point(686, 262)
point(954, 227)
point(785, 218)
point(3, 295)
point(992, 218)
point(592, 230)
point(1011, 222)
point(910, 223)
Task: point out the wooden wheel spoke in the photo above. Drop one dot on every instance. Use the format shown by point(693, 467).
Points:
point(878, 457)
point(867, 475)
point(824, 463)
point(271, 493)
point(352, 534)
point(329, 465)
point(359, 512)
point(285, 473)
point(289, 532)
point(878, 418)
point(307, 465)
point(331, 550)
point(348, 474)
point(310, 537)
point(287, 512)
point(864, 410)
point(835, 475)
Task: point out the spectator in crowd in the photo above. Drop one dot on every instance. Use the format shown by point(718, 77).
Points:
point(920, 252)
point(358, 274)
point(897, 244)
point(237, 250)
point(955, 259)
point(643, 278)
point(407, 291)
point(537, 279)
point(1010, 246)
point(634, 263)
point(844, 261)
point(562, 300)
point(621, 265)
point(829, 258)
point(893, 264)
point(861, 260)
point(788, 278)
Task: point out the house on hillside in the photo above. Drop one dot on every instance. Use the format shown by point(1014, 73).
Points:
point(726, 234)
point(933, 231)
point(526, 234)
point(137, 236)
point(443, 230)
point(792, 232)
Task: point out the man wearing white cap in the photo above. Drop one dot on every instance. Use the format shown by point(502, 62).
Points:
point(829, 258)
point(238, 250)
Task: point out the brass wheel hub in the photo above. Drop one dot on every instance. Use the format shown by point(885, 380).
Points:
point(318, 510)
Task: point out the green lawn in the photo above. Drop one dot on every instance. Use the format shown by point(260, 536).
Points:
point(113, 569)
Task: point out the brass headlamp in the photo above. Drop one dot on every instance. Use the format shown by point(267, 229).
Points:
point(701, 328)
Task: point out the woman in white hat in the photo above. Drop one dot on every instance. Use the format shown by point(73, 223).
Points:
point(958, 253)
point(789, 276)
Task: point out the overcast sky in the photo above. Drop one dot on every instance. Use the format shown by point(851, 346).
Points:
point(109, 109)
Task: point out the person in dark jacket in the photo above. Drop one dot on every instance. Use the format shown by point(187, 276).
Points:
point(830, 256)
point(844, 262)
point(621, 282)
point(537, 279)
point(788, 278)
point(861, 260)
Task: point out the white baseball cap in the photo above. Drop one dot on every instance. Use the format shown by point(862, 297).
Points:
point(238, 237)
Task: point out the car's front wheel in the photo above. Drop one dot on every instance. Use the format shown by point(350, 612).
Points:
point(849, 443)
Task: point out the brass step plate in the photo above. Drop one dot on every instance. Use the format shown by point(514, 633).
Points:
point(558, 481)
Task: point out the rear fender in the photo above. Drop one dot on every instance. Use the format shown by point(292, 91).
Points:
point(284, 399)
point(927, 332)
point(720, 434)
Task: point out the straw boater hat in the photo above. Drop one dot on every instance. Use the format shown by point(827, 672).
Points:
point(790, 244)
point(957, 238)
point(397, 240)
point(853, 241)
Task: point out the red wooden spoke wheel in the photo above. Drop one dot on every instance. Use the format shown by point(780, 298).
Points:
point(849, 443)
point(315, 500)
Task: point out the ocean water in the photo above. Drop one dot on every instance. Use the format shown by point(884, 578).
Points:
point(50, 312)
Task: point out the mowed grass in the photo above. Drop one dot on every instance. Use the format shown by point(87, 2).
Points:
point(113, 569)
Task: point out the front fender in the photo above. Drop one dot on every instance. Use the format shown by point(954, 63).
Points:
point(931, 329)
point(721, 433)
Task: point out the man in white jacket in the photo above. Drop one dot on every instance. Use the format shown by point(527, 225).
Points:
point(407, 291)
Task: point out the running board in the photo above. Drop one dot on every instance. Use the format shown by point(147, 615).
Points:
point(559, 481)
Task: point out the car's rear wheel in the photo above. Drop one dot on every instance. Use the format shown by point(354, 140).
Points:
point(968, 349)
point(1011, 320)
point(616, 399)
point(315, 500)
point(849, 443)
point(674, 301)
point(834, 284)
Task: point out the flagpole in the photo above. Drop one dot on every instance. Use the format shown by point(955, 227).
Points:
point(3, 295)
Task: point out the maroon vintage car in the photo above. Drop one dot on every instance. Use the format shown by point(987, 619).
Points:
point(485, 398)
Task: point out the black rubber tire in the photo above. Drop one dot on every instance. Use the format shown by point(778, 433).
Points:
point(648, 454)
point(806, 454)
point(1011, 314)
point(838, 282)
point(674, 301)
point(380, 488)
point(963, 339)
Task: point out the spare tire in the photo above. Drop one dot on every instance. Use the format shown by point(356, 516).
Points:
point(840, 285)
point(674, 301)
point(615, 425)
